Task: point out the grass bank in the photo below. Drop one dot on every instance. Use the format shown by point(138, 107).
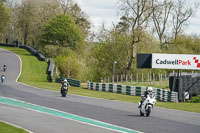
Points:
point(6, 128)
point(33, 73)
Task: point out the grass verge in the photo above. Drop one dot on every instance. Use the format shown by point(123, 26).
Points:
point(33, 73)
point(6, 128)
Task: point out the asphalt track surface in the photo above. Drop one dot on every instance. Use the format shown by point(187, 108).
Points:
point(117, 113)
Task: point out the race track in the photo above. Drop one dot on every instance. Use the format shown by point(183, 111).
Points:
point(110, 114)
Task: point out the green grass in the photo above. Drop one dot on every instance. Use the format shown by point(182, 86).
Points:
point(33, 73)
point(6, 128)
point(191, 107)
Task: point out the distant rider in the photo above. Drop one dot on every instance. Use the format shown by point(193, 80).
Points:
point(4, 68)
point(64, 83)
point(3, 77)
point(149, 90)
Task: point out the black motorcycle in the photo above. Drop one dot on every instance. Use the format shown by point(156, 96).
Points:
point(64, 90)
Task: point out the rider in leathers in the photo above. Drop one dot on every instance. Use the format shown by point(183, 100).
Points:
point(64, 83)
point(148, 91)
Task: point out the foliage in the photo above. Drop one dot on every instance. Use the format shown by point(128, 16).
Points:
point(117, 47)
point(62, 31)
point(114, 47)
point(68, 65)
point(71, 8)
point(80, 19)
point(51, 51)
point(27, 18)
point(195, 99)
point(184, 44)
point(4, 16)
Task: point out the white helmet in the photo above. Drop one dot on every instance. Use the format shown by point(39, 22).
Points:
point(149, 89)
point(65, 81)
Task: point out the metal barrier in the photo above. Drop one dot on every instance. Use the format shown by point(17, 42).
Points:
point(34, 52)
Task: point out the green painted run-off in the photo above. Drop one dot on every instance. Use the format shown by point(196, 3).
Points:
point(58, 113)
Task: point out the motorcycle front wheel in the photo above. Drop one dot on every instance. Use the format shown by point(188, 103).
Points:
point(141, 114)
point(148, 111)
point(63, 93)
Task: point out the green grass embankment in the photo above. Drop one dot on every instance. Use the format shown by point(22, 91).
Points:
point(6, 128)
point(34, 73)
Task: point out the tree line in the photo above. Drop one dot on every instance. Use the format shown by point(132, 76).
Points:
point(60, 29)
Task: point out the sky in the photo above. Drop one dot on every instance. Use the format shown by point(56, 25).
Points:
point(105, 11)
point(100, 11)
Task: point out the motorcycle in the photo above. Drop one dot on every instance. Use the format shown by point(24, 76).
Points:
point(147, 105)
point(4, 68)
point(3, 78)
point(64, 90)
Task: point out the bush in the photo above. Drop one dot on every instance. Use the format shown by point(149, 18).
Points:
point(195, 99)
point(68, 66)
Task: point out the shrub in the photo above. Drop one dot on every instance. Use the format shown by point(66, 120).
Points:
point(195, 99)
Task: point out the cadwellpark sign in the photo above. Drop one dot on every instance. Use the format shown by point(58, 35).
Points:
point(175, 61)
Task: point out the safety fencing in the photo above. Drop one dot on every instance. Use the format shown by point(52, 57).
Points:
point(72, 82)
point(161, 94)
point(32, 50)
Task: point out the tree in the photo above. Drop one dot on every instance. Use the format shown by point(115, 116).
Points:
point(62, 31)
point(116, 46)
point(185, 44)
point(181, 13)
point(160, 17)
point(66, 5)
point(29, 16)
point(137, 14)
point(4, 16)
point(68, 66)
point(25, 12)
point(113, 47)
point(80, 18)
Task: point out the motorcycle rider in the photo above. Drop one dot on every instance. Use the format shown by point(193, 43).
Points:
point(64, 83)
point(4, 68)
point(3, 77)
point(149, 90)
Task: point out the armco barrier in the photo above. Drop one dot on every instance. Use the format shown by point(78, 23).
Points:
point(29, 48)
point(7, 45)
point(72, 82)
point(34, 52)
point(161, 94)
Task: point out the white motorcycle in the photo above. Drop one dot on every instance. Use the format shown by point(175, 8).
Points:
point(147, 105)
